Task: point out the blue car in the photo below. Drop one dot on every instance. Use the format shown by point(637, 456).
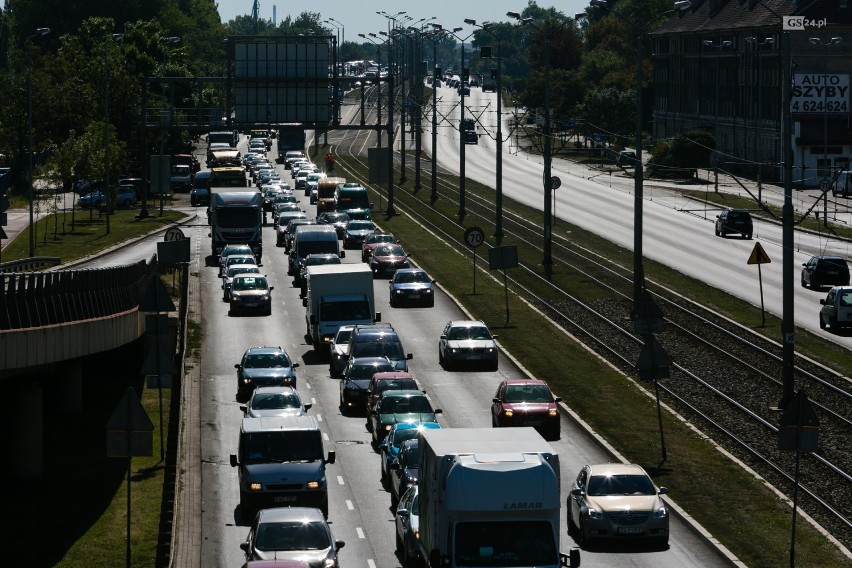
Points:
point(400, 432)
point(412, 286)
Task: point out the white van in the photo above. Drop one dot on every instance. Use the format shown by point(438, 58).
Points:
point(312, 239)
point(843, 185)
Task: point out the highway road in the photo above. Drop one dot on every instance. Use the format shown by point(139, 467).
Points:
point(677, 232)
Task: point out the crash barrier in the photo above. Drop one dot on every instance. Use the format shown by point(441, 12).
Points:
point(38, 299)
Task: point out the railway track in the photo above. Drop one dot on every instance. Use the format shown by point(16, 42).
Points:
point(724, 378)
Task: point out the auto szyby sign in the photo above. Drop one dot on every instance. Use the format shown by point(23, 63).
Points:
point(819, 93)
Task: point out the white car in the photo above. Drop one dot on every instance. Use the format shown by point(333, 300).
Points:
point(340, 350)
point(467, 341)
point(836, 310)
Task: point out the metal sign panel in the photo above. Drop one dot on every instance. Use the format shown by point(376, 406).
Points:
point(758, 255)
point(377, 161)
point(161, 174)
point(503, 257)
point(173, 252)
point(818, 93)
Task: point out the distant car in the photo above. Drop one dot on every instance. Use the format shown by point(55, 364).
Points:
point(356, 231)
point(312, 181)
point(355, 379)
point(339, 350)
point(200, 192)
point(617, 501)
point(233, 271)
point(374, 240)
point(268, 402)
point(413, 286)
point(281, 220)
point(526, 402)
point(232, 249)
point(235, 259)
point(467, 341)
point(290, 231)
point(734, 221)
point(399, 433)
point(391, 380)
point(387, 259)
point(407, 521)
point(292, 156)
point(400, 406)
point(842, 186)
point(292, 533)
point(626, 159)
point(822, 271)
point(264, 367)
point(251, 292)
point(470, 137)
point(337, 219)
point(836, 311)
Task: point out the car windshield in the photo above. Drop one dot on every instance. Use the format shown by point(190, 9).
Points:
point(528, 393)
point(243, 269)
point(396, 384)
point(383, 238)
point(600, 485)
point(412, 456)
point(343, 336)
point(411, 277)
point(739, 215)
point(390, 250)
point(360, 226)
point(250, 283)
point(316, 260)
point(361, 372)
point(472, 332)
point(402, 435)
point(283, 445)
point(406, 404)
point(291, 535)
point(338, 218)
point(266, 360)
point(846, 298)
point(390, 349)
point(240, 260)
point(275, 401)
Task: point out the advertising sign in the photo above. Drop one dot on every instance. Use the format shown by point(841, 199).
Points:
point(818, 93)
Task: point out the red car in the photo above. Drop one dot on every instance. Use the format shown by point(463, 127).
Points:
point(381, 382)
point(525, 402)
point(372, 241)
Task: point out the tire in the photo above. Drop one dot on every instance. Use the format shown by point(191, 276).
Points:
point(716, 230)
point(803, 282)
point(748, 236)
point(408, 560)
point(430, 303)
point(392, 302)
point(832, 323)
point(441, 359)
point(400, 546)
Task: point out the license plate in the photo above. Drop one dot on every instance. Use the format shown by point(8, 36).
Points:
point(630, 530)
point(285, 499)
point(415, 296)
point(250, 305)
point(532, 423)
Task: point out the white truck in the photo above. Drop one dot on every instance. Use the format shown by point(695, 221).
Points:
point(235, 215)
point(490, 497)
point(337, 294)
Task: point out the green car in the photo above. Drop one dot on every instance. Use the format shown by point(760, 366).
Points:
point(400, 406)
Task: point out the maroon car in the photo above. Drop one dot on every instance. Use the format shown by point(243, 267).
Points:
point(393, 380)
point(372, 241)
point(526, 402)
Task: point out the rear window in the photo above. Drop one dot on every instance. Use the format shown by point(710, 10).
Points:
point(739, 215)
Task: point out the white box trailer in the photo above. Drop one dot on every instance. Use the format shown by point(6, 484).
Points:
point(490, 497)
point(337, 294)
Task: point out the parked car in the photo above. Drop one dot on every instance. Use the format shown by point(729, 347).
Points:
point(734, 221)
point(412, 285)
point(339, 350)
point(374, 240)
point(268, 402)
point(355, 379)
point(399, 433)
point(264, 367)
point(407, 521)
point(822, 271)
point(387, 259)
point(836, 311)
point(292, 533)
point(356, 231)
point(617, 501)
point(842, 186)
point(467, 341)
point(400, 406)
point(233, 271)
point(251, 292)
point(526, 402)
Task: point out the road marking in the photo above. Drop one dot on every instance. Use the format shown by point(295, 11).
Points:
point(370, 563)
point(308, 386)
point(360, 532)
point(349, 505)
point(319, 417)
point(325, 436)
point(313, 401)
point(340, 480)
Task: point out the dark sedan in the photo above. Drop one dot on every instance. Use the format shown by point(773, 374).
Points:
point(412, 285)
point(387, 259)
point(355, 380)
point(356, 231)
point(336, 219)
point(264, 367)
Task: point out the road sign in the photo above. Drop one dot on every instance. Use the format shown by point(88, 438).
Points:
point(174, 234)
point(555, 183)
point(4, 202)
point(758, 255)
point(799, 423)
point(824, 184)
point(474, 237)
point(129, 430)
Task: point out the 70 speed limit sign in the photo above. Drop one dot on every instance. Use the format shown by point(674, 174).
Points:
point(474, 237)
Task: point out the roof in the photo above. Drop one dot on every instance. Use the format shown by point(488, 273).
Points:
point(466, 323)
point(279, 423)
point(265, 350)
point(617, 469)
point(276, 514)
point(390, 375)
point(525, 382)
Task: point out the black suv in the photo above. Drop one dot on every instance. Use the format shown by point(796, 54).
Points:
point(378, 340)
point(734, 221)
point(822, 271)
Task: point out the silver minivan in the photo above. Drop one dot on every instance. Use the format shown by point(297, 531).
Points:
point(312, 239)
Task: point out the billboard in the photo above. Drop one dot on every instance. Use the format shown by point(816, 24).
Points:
point(281, 79)
point(820, 93)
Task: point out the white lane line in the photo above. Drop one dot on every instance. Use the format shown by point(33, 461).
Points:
point(370, 563)
point(350, 505)
point(360, 532)
point(308, 386)
point(340, 480)
point(325, 437)
point(313, 401)
point(319, 417)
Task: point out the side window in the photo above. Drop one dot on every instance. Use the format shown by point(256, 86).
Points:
point(581, 479)
point(830, 298)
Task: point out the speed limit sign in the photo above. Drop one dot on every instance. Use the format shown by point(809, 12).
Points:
point(174, 234)
point(474, 236)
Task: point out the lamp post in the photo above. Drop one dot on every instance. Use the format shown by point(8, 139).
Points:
point(718, 47)
point(342, 32)
point(547, 260)
point(826, 166)
point(378, 84)
point(498, 181)
point(437, 31)
point(638, 181)
point(107, 52)
point(38, 33)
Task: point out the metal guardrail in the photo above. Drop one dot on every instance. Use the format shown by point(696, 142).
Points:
point(32, 263)
point(37, 299)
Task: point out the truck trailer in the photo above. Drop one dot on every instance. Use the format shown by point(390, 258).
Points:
point(336, 295)
point(488, 498)
point(236, 216)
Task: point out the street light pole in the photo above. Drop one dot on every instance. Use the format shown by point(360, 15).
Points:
point(438, 29)
point(39, 32)
point(825, 46)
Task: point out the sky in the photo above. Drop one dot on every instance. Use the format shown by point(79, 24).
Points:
point(356, 17)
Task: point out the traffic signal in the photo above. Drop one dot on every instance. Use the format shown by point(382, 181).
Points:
point(437, 72)
point(493, 73)
point(465, 74)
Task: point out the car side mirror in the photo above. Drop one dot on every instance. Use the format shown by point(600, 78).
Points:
point(437, 411)
point(332, 457)
point(339, 543)
point(378, 317)
point(244, 546)
point(234, 462)
point(663, 491)
point(443, 336)
point(243, 408)
point(557, 399)
point(383, 445)
point(409, 356)
point(822, 302)
point(402, 513)
point(271, 288)
point(308, 405)
point(495, 400)
point(237, 366)
point(494, 336)
point(343, 254)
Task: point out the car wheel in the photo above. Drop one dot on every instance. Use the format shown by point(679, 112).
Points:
point(392, 302)
point(717, 231)
point(441, 358)
point(430, 303)
point(804, 285)
point(748, 236)
point(400, 546)
point(556, 434)
point(409, 559)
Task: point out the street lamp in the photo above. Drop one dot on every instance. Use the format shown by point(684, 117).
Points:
point(498, 182)
point(342, 32)
point(724, 44)
point(547, 261)
point(38, 33)
point(107, 52)
point(825, 165)
point(437, 31)
point(638, 181)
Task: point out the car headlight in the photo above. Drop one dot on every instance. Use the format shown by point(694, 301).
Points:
point(329, 563)
point(552, 412)
point(595, 514)
point(398, 291)
point(234, 298)
point(265, 297)
point(247, 381)
point(387, 427)
point(427, 291)
point(416, 535)
point(255, 486)
point(508, 413)
point(313, 484)
point(661, 512)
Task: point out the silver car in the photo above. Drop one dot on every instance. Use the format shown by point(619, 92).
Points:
point(407, 521)
point(292, 533)
point(234, 270)
point(268, 402)
point(467, 341)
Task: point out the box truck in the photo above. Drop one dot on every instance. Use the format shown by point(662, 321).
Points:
point(236, 217)
point(489, 497)
point(337, 294)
